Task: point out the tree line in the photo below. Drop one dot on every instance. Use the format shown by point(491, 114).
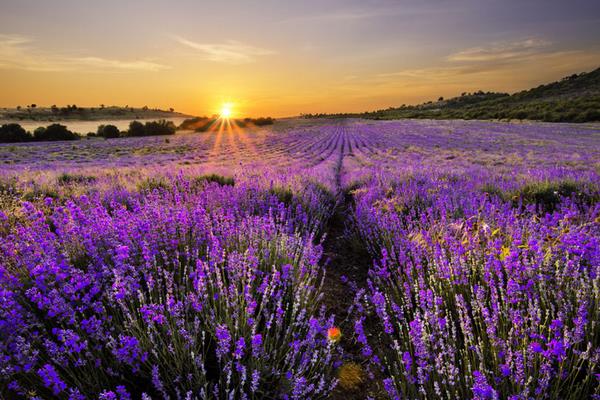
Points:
point(15, 133)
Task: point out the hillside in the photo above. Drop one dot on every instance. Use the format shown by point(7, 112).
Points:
point(72, 112)
point(575, 98)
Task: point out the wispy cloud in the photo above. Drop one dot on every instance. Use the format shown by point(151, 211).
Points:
point(493, 58)
point(367, 13)
point(501, 51)
point(515, 63)
point(20, 52)
point(342, 15)
point(229, 52)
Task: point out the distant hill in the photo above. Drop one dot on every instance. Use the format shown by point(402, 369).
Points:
point(575, 98)
point(32, 112)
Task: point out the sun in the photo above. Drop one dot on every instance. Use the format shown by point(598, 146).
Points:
point(226, 111)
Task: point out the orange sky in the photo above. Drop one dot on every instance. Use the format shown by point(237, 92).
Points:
point(281, 59)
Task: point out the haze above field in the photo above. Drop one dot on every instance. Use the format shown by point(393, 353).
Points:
point(276, 58)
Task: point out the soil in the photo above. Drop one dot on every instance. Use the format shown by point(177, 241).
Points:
point(347, 261)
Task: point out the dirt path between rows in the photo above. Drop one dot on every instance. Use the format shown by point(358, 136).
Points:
point(347, 263)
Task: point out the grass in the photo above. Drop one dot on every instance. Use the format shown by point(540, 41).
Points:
point(219, 179)
point(72, 179)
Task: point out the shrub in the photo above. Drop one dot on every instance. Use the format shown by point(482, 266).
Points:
point(151, 128)
point(547, 195)
point(14, 133)
point(284, 195)
point(161, 127)
point(69, 179)
point(152, 184)
point(193, 123)
point(108, 131)
point(263, 121)
point(54, 132)
point(39, 192)
point(136, 128)
point(220, 179)
point(492, 191)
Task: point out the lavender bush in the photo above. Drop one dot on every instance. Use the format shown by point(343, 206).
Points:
point(175, 294)
point(478, 297)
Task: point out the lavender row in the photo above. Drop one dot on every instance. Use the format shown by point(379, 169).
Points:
point(178, 291)
point(482, 290)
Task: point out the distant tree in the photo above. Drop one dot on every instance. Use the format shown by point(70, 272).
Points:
point(54, 109)
point(263, 121)
point(193, 123)
point(14, 133)
point(33, 105)
point(171, 109)
point(19, 108)
point(145, 108)
point(136, 128)
point(39, 133)
point(54, 132)
point(108, 131)
point(102, 106)
point(151, 128)
point(162, 127)
point(441, 98)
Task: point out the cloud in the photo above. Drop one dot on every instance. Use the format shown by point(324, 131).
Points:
point(346, 14)
point(501, 51)
point(104, 63)
point(230, 52)
point(495, 59)
point(20, 52)
point(508, 66)
point(341, 16)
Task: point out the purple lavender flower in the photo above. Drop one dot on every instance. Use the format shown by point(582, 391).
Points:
point(481, 389)
point(51, 379)
point(223, 340)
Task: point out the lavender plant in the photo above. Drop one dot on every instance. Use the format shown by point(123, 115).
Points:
point(174, 295)
point(479, 298)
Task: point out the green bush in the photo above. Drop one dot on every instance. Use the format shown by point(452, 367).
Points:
point(547, 195)
point(69, 179)
point(220, 179)
point(152, 184)
point(284, 195)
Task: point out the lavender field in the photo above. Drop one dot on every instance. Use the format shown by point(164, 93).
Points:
point(313, 259)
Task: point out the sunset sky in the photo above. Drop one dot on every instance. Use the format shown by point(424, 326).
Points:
point(280, 58)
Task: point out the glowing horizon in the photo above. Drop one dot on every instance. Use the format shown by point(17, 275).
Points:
point(283, 59)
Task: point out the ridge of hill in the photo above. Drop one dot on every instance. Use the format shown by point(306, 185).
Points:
point(575, 98)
